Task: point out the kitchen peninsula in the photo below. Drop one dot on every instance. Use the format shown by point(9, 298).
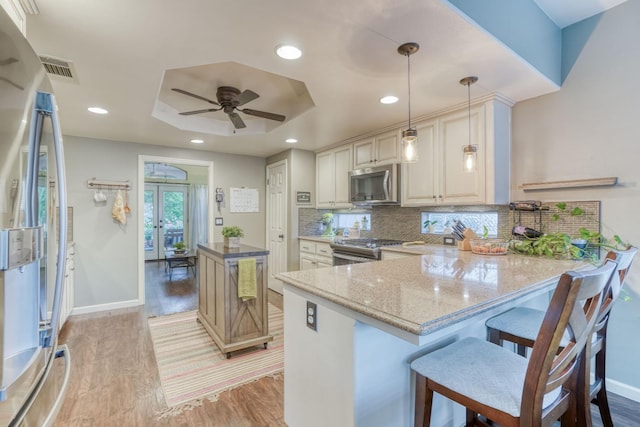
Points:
point(374, 318)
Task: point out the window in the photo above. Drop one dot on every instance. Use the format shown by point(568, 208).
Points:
point(155, 170)
point(473, 220)
point(347, 220)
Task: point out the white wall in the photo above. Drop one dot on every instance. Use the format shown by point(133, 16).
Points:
point(591, 128)
point(106, 274)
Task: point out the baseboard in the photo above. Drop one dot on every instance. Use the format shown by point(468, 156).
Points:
point(623, 390)
point(104, 307)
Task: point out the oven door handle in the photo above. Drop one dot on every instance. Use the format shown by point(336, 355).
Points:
point(352, 257)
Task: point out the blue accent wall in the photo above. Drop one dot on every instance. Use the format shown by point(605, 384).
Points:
point(523, 27)
point(574, 38)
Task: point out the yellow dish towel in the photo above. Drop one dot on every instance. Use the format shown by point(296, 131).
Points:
point(247, 286)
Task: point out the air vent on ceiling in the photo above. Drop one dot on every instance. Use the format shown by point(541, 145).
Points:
point(59, 67)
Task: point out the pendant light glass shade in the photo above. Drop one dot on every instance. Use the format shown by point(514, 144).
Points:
point(469, 152)
point(469, 158)
point(409, 142)
point(409, 145)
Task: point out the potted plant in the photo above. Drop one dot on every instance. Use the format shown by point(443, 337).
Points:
point(232, 235)
point(430, 226)
point(179, 248)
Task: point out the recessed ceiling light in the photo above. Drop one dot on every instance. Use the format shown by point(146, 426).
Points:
point(197, 141)
point(288, 52)
point(98, 110)
point(389, 99)
point(290, 140)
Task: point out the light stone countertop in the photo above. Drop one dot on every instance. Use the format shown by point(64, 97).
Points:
point(323, 239)
point(422, 294)
point(424, 249)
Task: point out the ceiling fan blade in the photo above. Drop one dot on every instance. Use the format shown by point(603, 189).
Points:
point(193, 95)
point(246, 96)
point(237, 121)
point(264, 114)
point(207, 110)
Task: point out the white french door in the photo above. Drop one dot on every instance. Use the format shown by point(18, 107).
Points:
point(165, 218)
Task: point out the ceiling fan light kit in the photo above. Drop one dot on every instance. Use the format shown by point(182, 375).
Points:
point(409, 140)
point(469, 152)
point(228, 100)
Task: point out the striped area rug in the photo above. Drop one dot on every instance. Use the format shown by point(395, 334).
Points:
point(192, 367)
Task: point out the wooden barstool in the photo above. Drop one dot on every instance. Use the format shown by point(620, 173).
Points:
point(509, 389)
point(520, 325)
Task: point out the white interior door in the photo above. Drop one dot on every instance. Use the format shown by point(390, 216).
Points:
point(165, 218)
point(277, 206)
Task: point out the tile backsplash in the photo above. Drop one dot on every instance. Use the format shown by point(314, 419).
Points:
point(395, 222)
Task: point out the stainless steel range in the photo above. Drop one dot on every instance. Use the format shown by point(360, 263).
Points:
point(354, 251)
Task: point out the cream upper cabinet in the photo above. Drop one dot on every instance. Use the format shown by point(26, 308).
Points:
point(419, 179)
point(378, 150)
point(332, 177)
point(438, 176)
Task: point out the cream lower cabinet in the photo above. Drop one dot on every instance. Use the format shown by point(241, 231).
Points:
point(66, 304)
point(438, 176)
point(378, 150)
point(332, 177)
point(315, 255)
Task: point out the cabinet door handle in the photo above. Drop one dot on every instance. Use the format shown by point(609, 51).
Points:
point(280, 236)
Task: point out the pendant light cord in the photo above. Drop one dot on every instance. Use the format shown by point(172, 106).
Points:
point(469, 109)
point(409, 84)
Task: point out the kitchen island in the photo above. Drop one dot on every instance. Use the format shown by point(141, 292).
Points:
point(233, 322)
point(373, 319)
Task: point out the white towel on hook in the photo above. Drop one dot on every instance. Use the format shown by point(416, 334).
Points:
point(117, 212)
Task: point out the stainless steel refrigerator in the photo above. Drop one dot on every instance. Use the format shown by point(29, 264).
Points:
point(33, 229)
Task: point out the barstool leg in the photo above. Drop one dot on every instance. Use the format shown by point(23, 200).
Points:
point(421, 387)
point(600, 375)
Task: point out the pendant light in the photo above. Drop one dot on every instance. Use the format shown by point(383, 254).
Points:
point(469, 152)
point(409, 142)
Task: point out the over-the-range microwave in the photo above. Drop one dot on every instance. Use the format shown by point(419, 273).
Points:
point(376, 185)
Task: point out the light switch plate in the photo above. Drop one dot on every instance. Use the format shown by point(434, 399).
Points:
point(218, 221)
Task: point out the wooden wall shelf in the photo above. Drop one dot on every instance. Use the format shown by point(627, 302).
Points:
point(576, 183)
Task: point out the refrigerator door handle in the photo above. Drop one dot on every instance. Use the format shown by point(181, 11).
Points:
point(62, 351)
point(46, 106)
point(31, 190)
point(49, 419)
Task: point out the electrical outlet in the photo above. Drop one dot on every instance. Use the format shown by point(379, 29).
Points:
point(312, 315)
point(448, 241)
point(218, 221)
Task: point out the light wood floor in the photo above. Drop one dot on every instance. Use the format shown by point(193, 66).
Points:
point(114, 380)
point(164, 296)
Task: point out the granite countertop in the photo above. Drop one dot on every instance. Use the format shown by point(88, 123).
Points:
point(423, 249)
point(219, 250)
point(422, 294)
point(324, 239)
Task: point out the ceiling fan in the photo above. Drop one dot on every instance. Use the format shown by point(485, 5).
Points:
point(229, 99)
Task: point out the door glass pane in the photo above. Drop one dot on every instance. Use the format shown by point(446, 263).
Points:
point(173, 204)
point(149, 235)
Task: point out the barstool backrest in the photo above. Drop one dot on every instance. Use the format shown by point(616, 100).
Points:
point(623, 259)
point(574, 308)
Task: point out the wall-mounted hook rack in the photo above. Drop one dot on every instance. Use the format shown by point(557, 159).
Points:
point(108, 185)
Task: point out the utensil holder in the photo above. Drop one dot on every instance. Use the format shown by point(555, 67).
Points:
point(465, 245)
